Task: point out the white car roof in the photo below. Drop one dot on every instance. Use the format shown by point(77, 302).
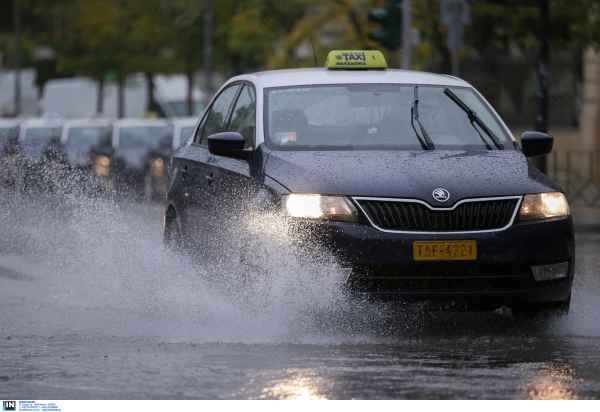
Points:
point(141, 122)
point(300, 77)
point(6, 122)
point(91, 122)
point(40, 122)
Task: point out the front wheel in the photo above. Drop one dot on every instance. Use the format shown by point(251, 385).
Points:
point(541, 310)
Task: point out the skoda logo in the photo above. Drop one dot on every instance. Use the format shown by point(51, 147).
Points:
point(441, 195)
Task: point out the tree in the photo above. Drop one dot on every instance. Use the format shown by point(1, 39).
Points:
point(574, 24)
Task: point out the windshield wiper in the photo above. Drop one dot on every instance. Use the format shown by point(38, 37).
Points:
point(474, 118)
point(428, 144)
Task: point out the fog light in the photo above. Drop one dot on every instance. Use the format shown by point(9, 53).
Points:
point(549, 272)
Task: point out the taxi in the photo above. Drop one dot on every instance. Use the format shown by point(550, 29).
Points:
point(410, 178)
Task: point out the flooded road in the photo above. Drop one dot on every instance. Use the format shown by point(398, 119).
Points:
point(93, 307)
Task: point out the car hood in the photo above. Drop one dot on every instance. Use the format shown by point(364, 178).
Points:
point(408, 174)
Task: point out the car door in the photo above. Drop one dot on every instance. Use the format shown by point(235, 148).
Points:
point(199, 183)
point(237, 187)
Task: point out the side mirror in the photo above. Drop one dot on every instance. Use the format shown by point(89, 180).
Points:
point(536, 143)
point(229, 144)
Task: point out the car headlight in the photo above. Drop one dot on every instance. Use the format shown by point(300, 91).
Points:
point(337, 208)
point(544, 206)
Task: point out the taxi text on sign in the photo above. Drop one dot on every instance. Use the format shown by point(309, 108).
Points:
point(355, 59)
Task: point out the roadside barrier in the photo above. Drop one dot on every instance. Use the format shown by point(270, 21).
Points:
point(581, 184)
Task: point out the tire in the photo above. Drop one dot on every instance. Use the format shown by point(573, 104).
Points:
point(541, 310)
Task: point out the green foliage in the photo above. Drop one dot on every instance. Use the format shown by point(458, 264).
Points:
point(574, 24)
point(92, 37)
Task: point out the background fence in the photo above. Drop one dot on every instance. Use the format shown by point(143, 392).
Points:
point(580, 177)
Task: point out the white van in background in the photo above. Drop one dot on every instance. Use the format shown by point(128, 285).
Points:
point(29, 93)
point(77, 97)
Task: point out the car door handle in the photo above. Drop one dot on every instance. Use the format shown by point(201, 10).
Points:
point(210, 178)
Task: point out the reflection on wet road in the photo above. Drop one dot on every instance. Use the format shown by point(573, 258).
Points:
point(91, 306)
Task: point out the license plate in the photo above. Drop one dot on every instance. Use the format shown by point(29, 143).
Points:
point(450, 250)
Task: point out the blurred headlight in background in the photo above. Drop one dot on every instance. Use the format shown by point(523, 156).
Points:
point(158, 167)
point(337, 208)
point(101, 165)
point(544, 206)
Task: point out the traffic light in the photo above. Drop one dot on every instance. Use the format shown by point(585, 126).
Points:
point(390, 18)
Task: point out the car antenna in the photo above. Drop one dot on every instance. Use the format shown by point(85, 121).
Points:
point(314, 52)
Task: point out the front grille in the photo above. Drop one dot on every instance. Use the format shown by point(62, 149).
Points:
point(447, 276)
point(410, 216)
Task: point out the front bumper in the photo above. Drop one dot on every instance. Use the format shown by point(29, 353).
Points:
point(382, 263)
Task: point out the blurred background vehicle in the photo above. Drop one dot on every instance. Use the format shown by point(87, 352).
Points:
point(40, 152)
point(9, 150)
point(81, 137)
point(124, 160)
point(159, 155)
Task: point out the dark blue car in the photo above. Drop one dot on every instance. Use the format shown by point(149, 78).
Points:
point(411, 179)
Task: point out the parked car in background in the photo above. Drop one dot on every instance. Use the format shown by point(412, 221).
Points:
point(9, 150)
point(123, 161)
point(40, 152)
point(159, 154)
point(82, 137)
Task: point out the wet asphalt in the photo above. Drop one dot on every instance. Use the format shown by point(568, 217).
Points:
point(93, 307)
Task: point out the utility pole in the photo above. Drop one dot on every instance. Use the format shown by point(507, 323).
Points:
point(406, 34)
point(208, 51)
point(454, 15)
point(17, 28)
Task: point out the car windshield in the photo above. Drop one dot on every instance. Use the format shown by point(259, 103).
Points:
point(7, 133)
point(84, 136)
point(377, 117)
point(137, 136)
point(38, 135)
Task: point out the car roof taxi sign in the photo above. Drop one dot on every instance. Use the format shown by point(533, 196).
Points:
point(355, 59)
